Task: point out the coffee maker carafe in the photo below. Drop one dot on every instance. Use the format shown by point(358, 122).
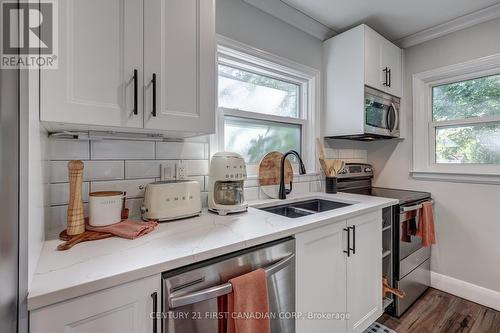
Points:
point(226, 180)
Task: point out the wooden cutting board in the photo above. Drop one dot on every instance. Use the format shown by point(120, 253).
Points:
point(269, 169)
point(86, 236)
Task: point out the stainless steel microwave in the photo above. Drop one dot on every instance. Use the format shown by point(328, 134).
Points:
point(381, 114)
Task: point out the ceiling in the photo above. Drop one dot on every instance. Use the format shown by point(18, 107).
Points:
point(394, 19)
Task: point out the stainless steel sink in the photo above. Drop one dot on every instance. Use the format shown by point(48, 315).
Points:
point(304, 208)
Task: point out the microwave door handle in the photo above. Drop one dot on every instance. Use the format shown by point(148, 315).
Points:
point(223, 289)
point(396, 117)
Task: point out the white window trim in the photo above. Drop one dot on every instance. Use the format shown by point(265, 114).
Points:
point(231, 50)
point(424, 165)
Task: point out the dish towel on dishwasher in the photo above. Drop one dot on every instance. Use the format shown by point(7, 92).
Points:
point(248, 304)
point(426, 225)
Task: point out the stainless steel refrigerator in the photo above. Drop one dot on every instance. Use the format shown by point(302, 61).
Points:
point(10, 284)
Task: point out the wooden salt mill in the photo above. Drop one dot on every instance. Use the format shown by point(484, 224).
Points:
point(76, 222)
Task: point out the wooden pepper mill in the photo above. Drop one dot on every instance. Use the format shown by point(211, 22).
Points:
point(76, 222)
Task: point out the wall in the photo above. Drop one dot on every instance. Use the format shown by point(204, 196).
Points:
point(130, 165)
point(467, 215)
point(240, 21)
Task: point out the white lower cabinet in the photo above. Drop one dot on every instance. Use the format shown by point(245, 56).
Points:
point(364, 271)
point(330, 282)
point(126, 308)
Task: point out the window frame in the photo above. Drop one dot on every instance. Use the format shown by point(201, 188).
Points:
point(241, 56)
point(424, 126)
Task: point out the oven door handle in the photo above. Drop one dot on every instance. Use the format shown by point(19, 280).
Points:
point(223, 289)
point(412, 208)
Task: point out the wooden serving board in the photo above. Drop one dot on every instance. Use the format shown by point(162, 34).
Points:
point(269, 169)
point(86, 236)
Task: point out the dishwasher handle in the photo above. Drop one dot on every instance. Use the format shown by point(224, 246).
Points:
point(223, 289)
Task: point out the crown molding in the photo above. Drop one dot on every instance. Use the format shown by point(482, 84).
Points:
point(466, 21)
point(294, 17)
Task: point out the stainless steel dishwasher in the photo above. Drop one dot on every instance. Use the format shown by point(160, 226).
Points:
point(190, 294)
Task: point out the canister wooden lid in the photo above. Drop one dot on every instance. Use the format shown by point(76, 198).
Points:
point(105, 194)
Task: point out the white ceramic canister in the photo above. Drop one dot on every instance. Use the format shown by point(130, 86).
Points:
point(105, 208)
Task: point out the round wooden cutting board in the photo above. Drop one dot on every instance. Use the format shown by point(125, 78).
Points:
point(269, 169)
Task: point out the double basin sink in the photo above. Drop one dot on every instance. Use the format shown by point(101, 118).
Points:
point(304, 208)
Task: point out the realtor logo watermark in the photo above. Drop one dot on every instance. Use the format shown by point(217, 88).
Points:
point(29, 35)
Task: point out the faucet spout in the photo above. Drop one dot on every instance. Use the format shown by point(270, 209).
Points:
point(302, 170)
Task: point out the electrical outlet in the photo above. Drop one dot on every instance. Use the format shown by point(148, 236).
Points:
point(167, 172)
point(180, 171)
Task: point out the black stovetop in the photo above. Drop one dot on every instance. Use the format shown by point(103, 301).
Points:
point(404, 196)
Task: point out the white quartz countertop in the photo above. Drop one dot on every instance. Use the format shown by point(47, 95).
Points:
point(93, 266)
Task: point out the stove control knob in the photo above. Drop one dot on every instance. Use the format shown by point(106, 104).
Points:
point(368, 170)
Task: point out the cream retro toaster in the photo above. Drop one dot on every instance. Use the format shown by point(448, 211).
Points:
point(171, 200)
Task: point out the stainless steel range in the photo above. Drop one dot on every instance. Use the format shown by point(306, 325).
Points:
point(405, 262)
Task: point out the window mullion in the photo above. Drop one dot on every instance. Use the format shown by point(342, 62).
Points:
point(466, 121)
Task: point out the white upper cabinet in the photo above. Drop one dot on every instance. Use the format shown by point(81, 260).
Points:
point(179, 52)
point(100, 46)
point(363, 49)
point(108, 53)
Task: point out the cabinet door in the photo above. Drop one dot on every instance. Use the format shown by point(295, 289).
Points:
point(374, 74)
point(180, 50)
point(100, 46)
point(392, 59)
point(126, 309)
point(364, 271)
point(321, 277)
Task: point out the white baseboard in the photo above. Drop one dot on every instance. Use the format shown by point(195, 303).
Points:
point(469, 291)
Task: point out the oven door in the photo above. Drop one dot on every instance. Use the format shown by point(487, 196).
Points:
point(381, 114)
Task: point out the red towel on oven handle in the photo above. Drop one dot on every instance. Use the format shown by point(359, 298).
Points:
point(426, 229)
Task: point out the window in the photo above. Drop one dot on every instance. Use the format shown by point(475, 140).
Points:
point(266, 103)
point(464, 120)
point(457, 122)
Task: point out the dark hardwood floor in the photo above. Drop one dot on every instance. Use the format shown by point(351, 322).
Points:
point(439, 312)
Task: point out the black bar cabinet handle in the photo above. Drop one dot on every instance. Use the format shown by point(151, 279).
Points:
point(353, 249)
point(390, 77)
point(154, 296)
point(136, 111)
point(385, 70)
point(153, 82)
point(348, 243)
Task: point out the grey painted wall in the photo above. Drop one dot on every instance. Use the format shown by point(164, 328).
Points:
point(467, 215)
point(240, 21)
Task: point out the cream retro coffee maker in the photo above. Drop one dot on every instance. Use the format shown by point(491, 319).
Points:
point(225, 190)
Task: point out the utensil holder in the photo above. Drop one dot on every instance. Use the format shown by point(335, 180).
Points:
point(331, 185)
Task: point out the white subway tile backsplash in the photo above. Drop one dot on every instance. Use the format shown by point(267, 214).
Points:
point(68, 150)
point(196, 167)
point(360, 154)
point(130, 165)
point(134, 188)
point(317, 186)
point(146, 169)
point(346, 153)
point(122, 150)
point(59, 193)
point(93, 170)
point(300, 188)
point(251, 193)
point(180, 150)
